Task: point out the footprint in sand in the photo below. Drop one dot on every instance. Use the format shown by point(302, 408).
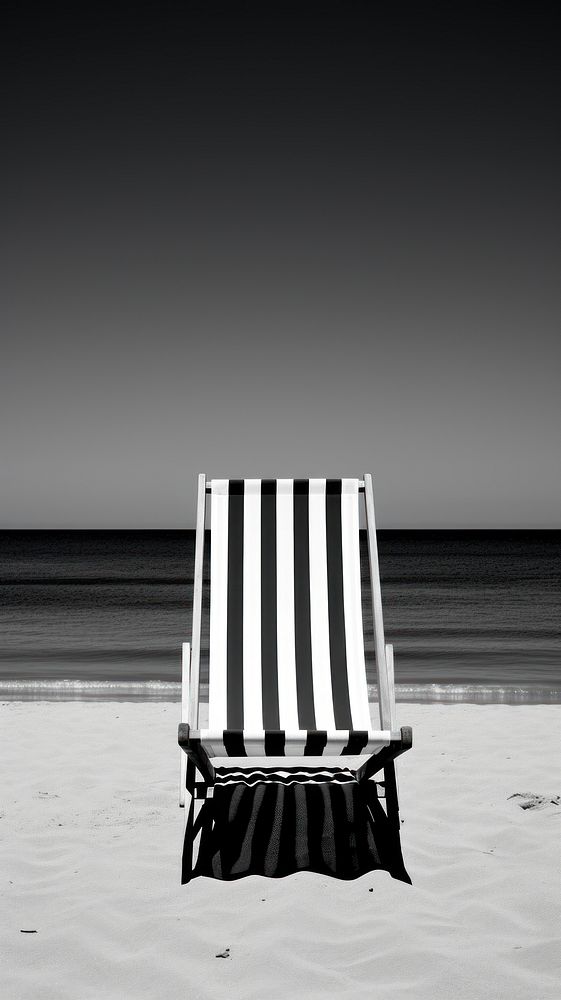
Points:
point(529, 800)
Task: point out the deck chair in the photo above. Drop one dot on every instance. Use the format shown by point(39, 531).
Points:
point(287, 674)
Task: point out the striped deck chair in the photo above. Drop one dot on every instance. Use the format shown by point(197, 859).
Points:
point(287, 674)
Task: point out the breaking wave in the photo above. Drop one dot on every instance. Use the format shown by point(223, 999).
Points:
point(157, 690)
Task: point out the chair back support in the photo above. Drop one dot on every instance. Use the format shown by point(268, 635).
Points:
point(286, 638)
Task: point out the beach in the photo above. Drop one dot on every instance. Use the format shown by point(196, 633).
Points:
point(91, 838)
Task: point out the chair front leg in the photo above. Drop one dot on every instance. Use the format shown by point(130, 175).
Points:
point(185, 677)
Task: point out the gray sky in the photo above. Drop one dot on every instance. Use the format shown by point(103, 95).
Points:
point(262, 245)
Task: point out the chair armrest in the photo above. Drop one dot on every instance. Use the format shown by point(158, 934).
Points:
point(185, 679)
point(386, 755)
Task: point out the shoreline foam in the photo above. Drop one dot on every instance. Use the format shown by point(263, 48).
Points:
point(47, 689)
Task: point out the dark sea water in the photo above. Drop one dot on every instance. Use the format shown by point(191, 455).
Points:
point(473, 615)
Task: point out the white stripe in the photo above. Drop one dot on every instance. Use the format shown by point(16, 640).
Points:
point(255, 746)
point(316, 487)
point(294, 747)
point(298, 773)
point(218, 605)
point(321, 778)
point(356, 666)
point(319, 613)
point(219, 487)
point(252, 703)
point(288, 703)
point(336, 742)
point(376, 743)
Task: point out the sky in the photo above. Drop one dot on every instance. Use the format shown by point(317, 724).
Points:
point(276, 240)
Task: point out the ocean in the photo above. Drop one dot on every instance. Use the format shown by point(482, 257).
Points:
point(473, 615)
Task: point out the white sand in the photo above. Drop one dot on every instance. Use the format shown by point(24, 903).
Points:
point(91, 841)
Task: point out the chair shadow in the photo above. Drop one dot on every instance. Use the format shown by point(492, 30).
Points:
point(275, 826)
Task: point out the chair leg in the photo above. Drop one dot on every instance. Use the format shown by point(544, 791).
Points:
point(182, 778)
point(185, 680)
point(192, 829)
point(392, 794)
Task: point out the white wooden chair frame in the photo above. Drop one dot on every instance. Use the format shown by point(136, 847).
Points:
point(384, 662)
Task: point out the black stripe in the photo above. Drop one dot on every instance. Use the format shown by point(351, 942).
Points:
point(234, 743)
point(314, 808)
point(234, 683)
point(289, 828)
point(302, 630)
point(315, 743)
point(271, 837)
point(337, 641)
point(333, 487)
point(301, 487)
point(264, 803)
point(358, 738)
point(274, 744)
point(269, 665)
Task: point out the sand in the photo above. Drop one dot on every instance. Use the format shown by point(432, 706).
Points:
point(91, 841)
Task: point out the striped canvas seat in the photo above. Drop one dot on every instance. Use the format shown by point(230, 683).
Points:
point(287, 674)
point(286, 671)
